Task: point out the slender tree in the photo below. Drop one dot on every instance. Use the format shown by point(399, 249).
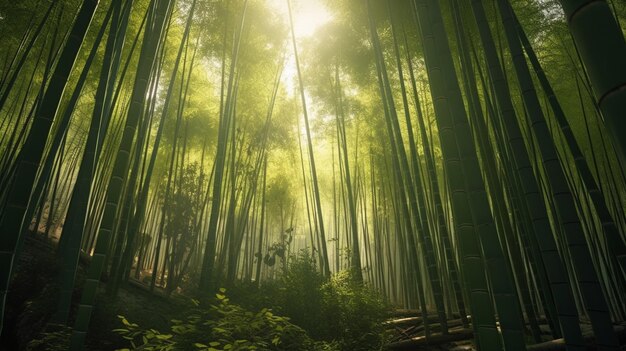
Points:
point(316, 192)
point(152, 40)
point(30, 155)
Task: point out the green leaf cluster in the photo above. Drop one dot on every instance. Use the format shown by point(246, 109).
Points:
point(340, 309)
point(53, 340)
point(220, 327)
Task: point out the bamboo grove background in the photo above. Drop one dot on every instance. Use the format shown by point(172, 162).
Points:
point(464, 157)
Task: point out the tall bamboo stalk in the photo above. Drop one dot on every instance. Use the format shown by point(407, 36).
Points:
point(30, 155)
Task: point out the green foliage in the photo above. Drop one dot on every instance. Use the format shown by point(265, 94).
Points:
point(280, 249)
point(222, 326)
point(354, 313)
point(340, 309)
point(301, 296)
point(149, 339)
point(57, 340)
point(182, 205)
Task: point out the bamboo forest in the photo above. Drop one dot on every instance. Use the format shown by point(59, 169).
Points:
point(317, 175)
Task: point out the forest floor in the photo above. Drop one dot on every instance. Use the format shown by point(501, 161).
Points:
point(31, 301)
point(29, 304)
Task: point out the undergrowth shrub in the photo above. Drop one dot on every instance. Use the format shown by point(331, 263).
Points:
point(53, 340)
point(293, 312)
point(301, 297)
point(223, 326)
point(340, 309)
point(354, 313)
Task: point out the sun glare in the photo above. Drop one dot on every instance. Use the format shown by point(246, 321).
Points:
point(308, 15)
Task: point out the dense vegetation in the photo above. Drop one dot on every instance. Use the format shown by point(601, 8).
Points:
point(290, 174)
